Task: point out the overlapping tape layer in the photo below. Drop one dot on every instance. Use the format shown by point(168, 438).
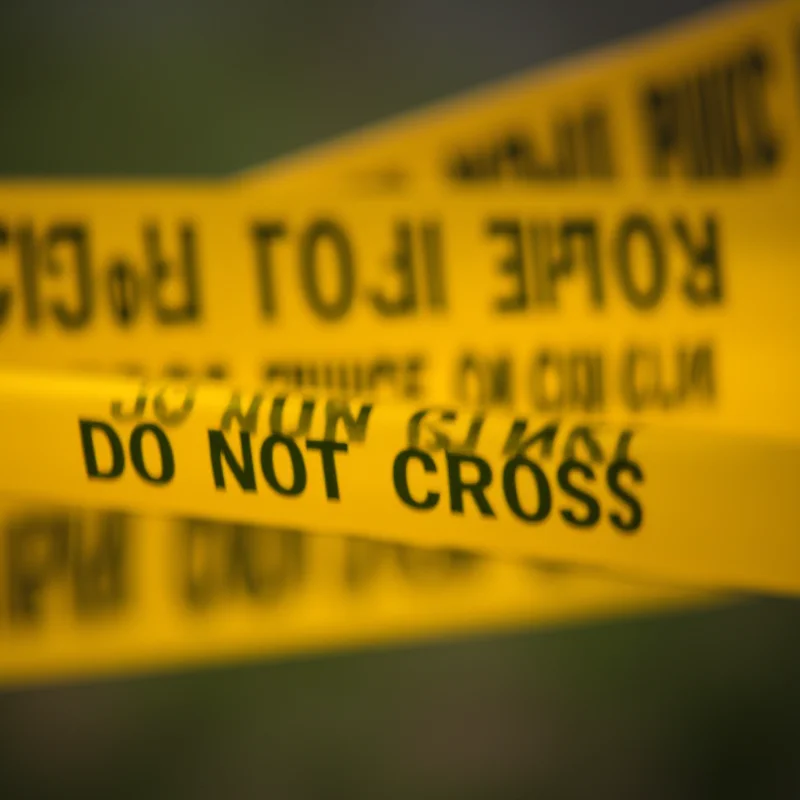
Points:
point(104, 593)
point(710, 102)
point(603, 252)
point(687, 504)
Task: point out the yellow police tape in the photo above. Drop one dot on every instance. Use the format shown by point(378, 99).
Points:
point(87, 594)
point(713, 100)
point(615, 237)
point(686, 505)
point(656, 308)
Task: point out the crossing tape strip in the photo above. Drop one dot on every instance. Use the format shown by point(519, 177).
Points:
point(666, 502)
point(712, 100)
point(652, 307)
point(89, 594)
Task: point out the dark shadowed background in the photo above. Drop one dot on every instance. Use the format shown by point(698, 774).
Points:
point(692, 704)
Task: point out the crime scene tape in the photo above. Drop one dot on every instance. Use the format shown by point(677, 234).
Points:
point(663, 298)
point(660, 309)
point(682, 505)
point(712, 100)
point(630, 272)
point(109, 593)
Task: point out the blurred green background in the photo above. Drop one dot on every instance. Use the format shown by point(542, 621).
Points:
point(205, 87)
point(692, 704)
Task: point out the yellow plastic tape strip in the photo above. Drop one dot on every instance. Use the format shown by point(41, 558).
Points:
point(714, 100)
point(657, 308)
point(94, 593)
point(691, 506)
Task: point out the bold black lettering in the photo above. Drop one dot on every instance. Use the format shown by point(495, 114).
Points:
point(703, 281)
point(544, 498)
point(638, 226)
point(513, 264)
point(87, 428)
point(477, 487)
point(165, 451)
point(327, 231)
point(74, 236)
point(160, 270)
point(402, 260)
point(328, 449)
point(553, 261)
point(400, 476)
point(592, 515)
point(410, 294)
point(615, 470)
point(264, 234)
point(244, 473)
point(299, 476)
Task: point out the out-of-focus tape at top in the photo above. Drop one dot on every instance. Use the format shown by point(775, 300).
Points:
point(614, 238)
point(666, 290)
point(690, 506)
point(709, 101)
